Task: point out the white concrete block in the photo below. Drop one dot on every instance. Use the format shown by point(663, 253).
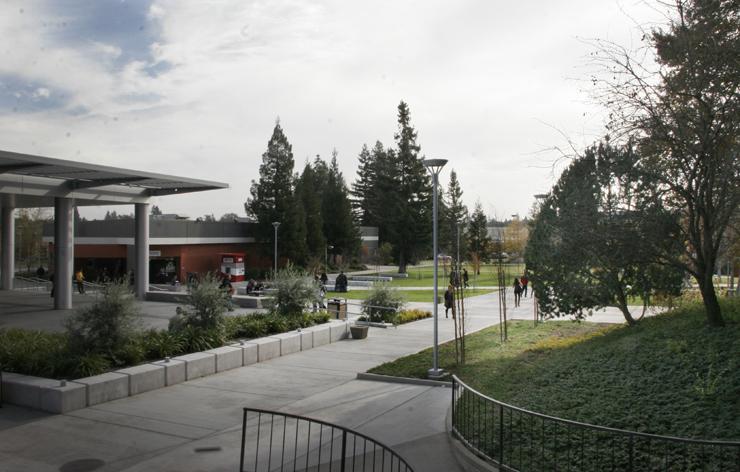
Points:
point(306, 340)
point(268, 348)
point(23, 390)
point(289, 342)
point(227, 357)
point(174, 371)
point(249, 353)
point(321, 334)
point(58, 399)
point(145, 377)
point(198, 364)
point(339, 330)
point(105, 387)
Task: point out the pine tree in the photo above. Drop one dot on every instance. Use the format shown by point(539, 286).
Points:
point(457, 215)
point(479, 243)
point(411, 223)
point(272, 199)
point(362, 188)
point(339, 223)
point(310, 200)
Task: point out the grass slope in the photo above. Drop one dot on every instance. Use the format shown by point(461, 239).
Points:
point(671, 374)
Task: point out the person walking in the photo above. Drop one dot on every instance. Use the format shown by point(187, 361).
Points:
point(465, 278)
point(80, 279)
point(449, 300)
point(525, 283)
point(517, 292)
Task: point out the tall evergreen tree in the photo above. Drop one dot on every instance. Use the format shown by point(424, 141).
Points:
point(362, 188)
point(410, 217)
point(478, 241)
point(457, 215)
point(310, 200)
point(272, 199)
point(339, 223)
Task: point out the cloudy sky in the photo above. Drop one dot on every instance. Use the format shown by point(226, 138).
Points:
point(193, 88)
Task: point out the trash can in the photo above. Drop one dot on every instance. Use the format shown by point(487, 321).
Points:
point(337, 308)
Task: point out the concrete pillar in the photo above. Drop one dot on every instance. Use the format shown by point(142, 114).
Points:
point(64, 252)
point(141, 241)
point(7, 239)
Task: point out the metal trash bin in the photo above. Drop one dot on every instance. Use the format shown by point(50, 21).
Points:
point(337, 308)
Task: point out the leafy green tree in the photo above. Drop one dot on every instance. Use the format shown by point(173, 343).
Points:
point(685, 115)
point(599, 237)
point(272, 199)
point(479, 243)
point(156, 211)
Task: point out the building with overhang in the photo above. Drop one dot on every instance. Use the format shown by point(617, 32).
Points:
point(177, 247)
point(29, 181)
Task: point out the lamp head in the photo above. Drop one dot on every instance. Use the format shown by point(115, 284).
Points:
point(275, 224)
point(434, 166)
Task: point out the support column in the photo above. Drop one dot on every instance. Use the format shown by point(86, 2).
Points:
point(7, 238)
point(64, 252)
point(141, 241)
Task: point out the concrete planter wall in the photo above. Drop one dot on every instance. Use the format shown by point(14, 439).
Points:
point(55, 396)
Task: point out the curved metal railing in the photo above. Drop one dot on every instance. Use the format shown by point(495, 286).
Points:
point(518, 440)
point(273, 441)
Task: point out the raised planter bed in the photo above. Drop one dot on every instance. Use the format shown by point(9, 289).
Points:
point(55, 396)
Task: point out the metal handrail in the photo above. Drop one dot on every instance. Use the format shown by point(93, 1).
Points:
point(288, 439)
point(480, 422)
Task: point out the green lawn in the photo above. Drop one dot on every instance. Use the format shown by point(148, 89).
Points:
point(424, 276)
point(671, 374)
point(409, 295)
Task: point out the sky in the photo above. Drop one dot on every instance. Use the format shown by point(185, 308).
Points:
point(193, 88)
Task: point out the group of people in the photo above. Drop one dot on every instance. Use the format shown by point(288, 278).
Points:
point(254, 287)
point(455, 278)
point(520, 287)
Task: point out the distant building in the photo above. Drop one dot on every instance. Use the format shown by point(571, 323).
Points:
point(177, 246)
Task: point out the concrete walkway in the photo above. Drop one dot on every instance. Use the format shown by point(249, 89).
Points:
point(165, 429)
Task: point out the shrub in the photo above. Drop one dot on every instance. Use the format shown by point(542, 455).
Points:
point(159, 344)
point(32, 352)
point(294, 291)
point(206, 305)
point(265, 324)
point(407, 316)
point(107, 327)
point(196, 339)
point(383, 303)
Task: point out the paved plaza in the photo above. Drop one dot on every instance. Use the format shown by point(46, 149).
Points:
point(164, 430)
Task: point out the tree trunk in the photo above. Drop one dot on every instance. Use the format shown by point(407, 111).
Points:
point(401, 263)
point(622, 301)
point(711, 304)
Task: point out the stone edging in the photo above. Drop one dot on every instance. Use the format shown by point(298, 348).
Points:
point(403, 380)
point(59, 396)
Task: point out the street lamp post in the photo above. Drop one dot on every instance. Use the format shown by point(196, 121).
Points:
point(275, 225)
point(434, 166)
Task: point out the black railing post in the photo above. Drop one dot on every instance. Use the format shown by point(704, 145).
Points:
point(454, 391)
point(344, 451)
point(244, 441)
point(501, 433)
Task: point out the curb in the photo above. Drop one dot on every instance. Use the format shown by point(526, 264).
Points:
point(402, 380)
